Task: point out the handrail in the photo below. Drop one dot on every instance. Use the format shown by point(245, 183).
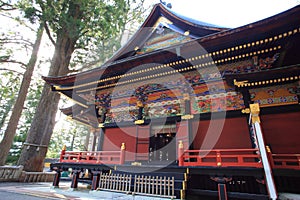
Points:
point(221, 158)
point(286, 161)
point(94, 157)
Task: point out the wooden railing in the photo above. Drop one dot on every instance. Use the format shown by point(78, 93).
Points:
point(115, 182)
point(286, 161)
point(220, 158)
point(94, 157)
point(156, 186)
point(235, 158)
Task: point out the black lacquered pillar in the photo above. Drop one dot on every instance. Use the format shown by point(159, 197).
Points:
point(96, 179)
point(75, 177)
point(56, 180)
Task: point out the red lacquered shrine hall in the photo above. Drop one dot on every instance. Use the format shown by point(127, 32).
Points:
point(187, 109)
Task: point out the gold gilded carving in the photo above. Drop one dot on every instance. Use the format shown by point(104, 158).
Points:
point(123, 146)
point(186, 96)
point(239, 83)
point(136, 163)
point(187, 117)
point(268, 149)
point(180, 145)
point(246, 111)
point(254, 110)
point(139, 104)
point(139, 121)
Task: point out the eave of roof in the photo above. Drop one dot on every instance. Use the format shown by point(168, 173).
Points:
point(267, 77)
point(196, 28)
point(236, 35)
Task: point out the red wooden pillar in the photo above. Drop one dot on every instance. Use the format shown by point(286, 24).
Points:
point(182, 133)
point(180, 154)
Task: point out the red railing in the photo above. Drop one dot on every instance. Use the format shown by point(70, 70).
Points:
point(235, 158)
point(94, 157)
point(220, 158)
point(286, 161)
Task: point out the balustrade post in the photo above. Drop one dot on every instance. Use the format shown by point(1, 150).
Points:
point(122, 156)
point(219, 159)
point(62, 154)
point(270, 156)
point(180, 154)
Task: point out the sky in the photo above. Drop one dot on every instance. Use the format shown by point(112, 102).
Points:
point(230, 13)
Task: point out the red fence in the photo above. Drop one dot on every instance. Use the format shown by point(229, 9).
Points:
point(285, 161)
point(235, 158)
point(220, 158)
point(94, 157)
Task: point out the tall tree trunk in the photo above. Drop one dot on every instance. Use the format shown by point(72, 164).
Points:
point(38, 138)
point(7, 109)
point(10, 131)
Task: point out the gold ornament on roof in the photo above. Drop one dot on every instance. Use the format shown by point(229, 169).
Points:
point(239, 83)
point(255, 110)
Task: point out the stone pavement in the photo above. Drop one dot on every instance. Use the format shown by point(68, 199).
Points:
point(44, 190)
point(41, 191)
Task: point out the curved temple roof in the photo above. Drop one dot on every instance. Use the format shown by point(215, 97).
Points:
point(163, 16)
point(214, 41)
point(224, 46)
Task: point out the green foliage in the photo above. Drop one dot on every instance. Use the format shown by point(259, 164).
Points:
point(9, 84)
point(70, 134)
point(95, 25)
point(31, 103)
point(83, 20)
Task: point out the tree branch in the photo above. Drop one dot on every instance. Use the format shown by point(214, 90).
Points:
point(88, 65)
point(16, 41)
point(23, 65)
point(11, 70)
point(48, 33)
point(19, 21)
point(6, 6)
point(45, 22)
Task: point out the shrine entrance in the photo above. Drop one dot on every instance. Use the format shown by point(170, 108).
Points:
point(162, 145)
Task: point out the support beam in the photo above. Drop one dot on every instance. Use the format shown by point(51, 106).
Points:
point(222, 191)
point(96, 179)
point(56, 179)
point(75, 177)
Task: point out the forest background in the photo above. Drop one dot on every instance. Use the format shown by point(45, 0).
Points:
point(32, 36)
